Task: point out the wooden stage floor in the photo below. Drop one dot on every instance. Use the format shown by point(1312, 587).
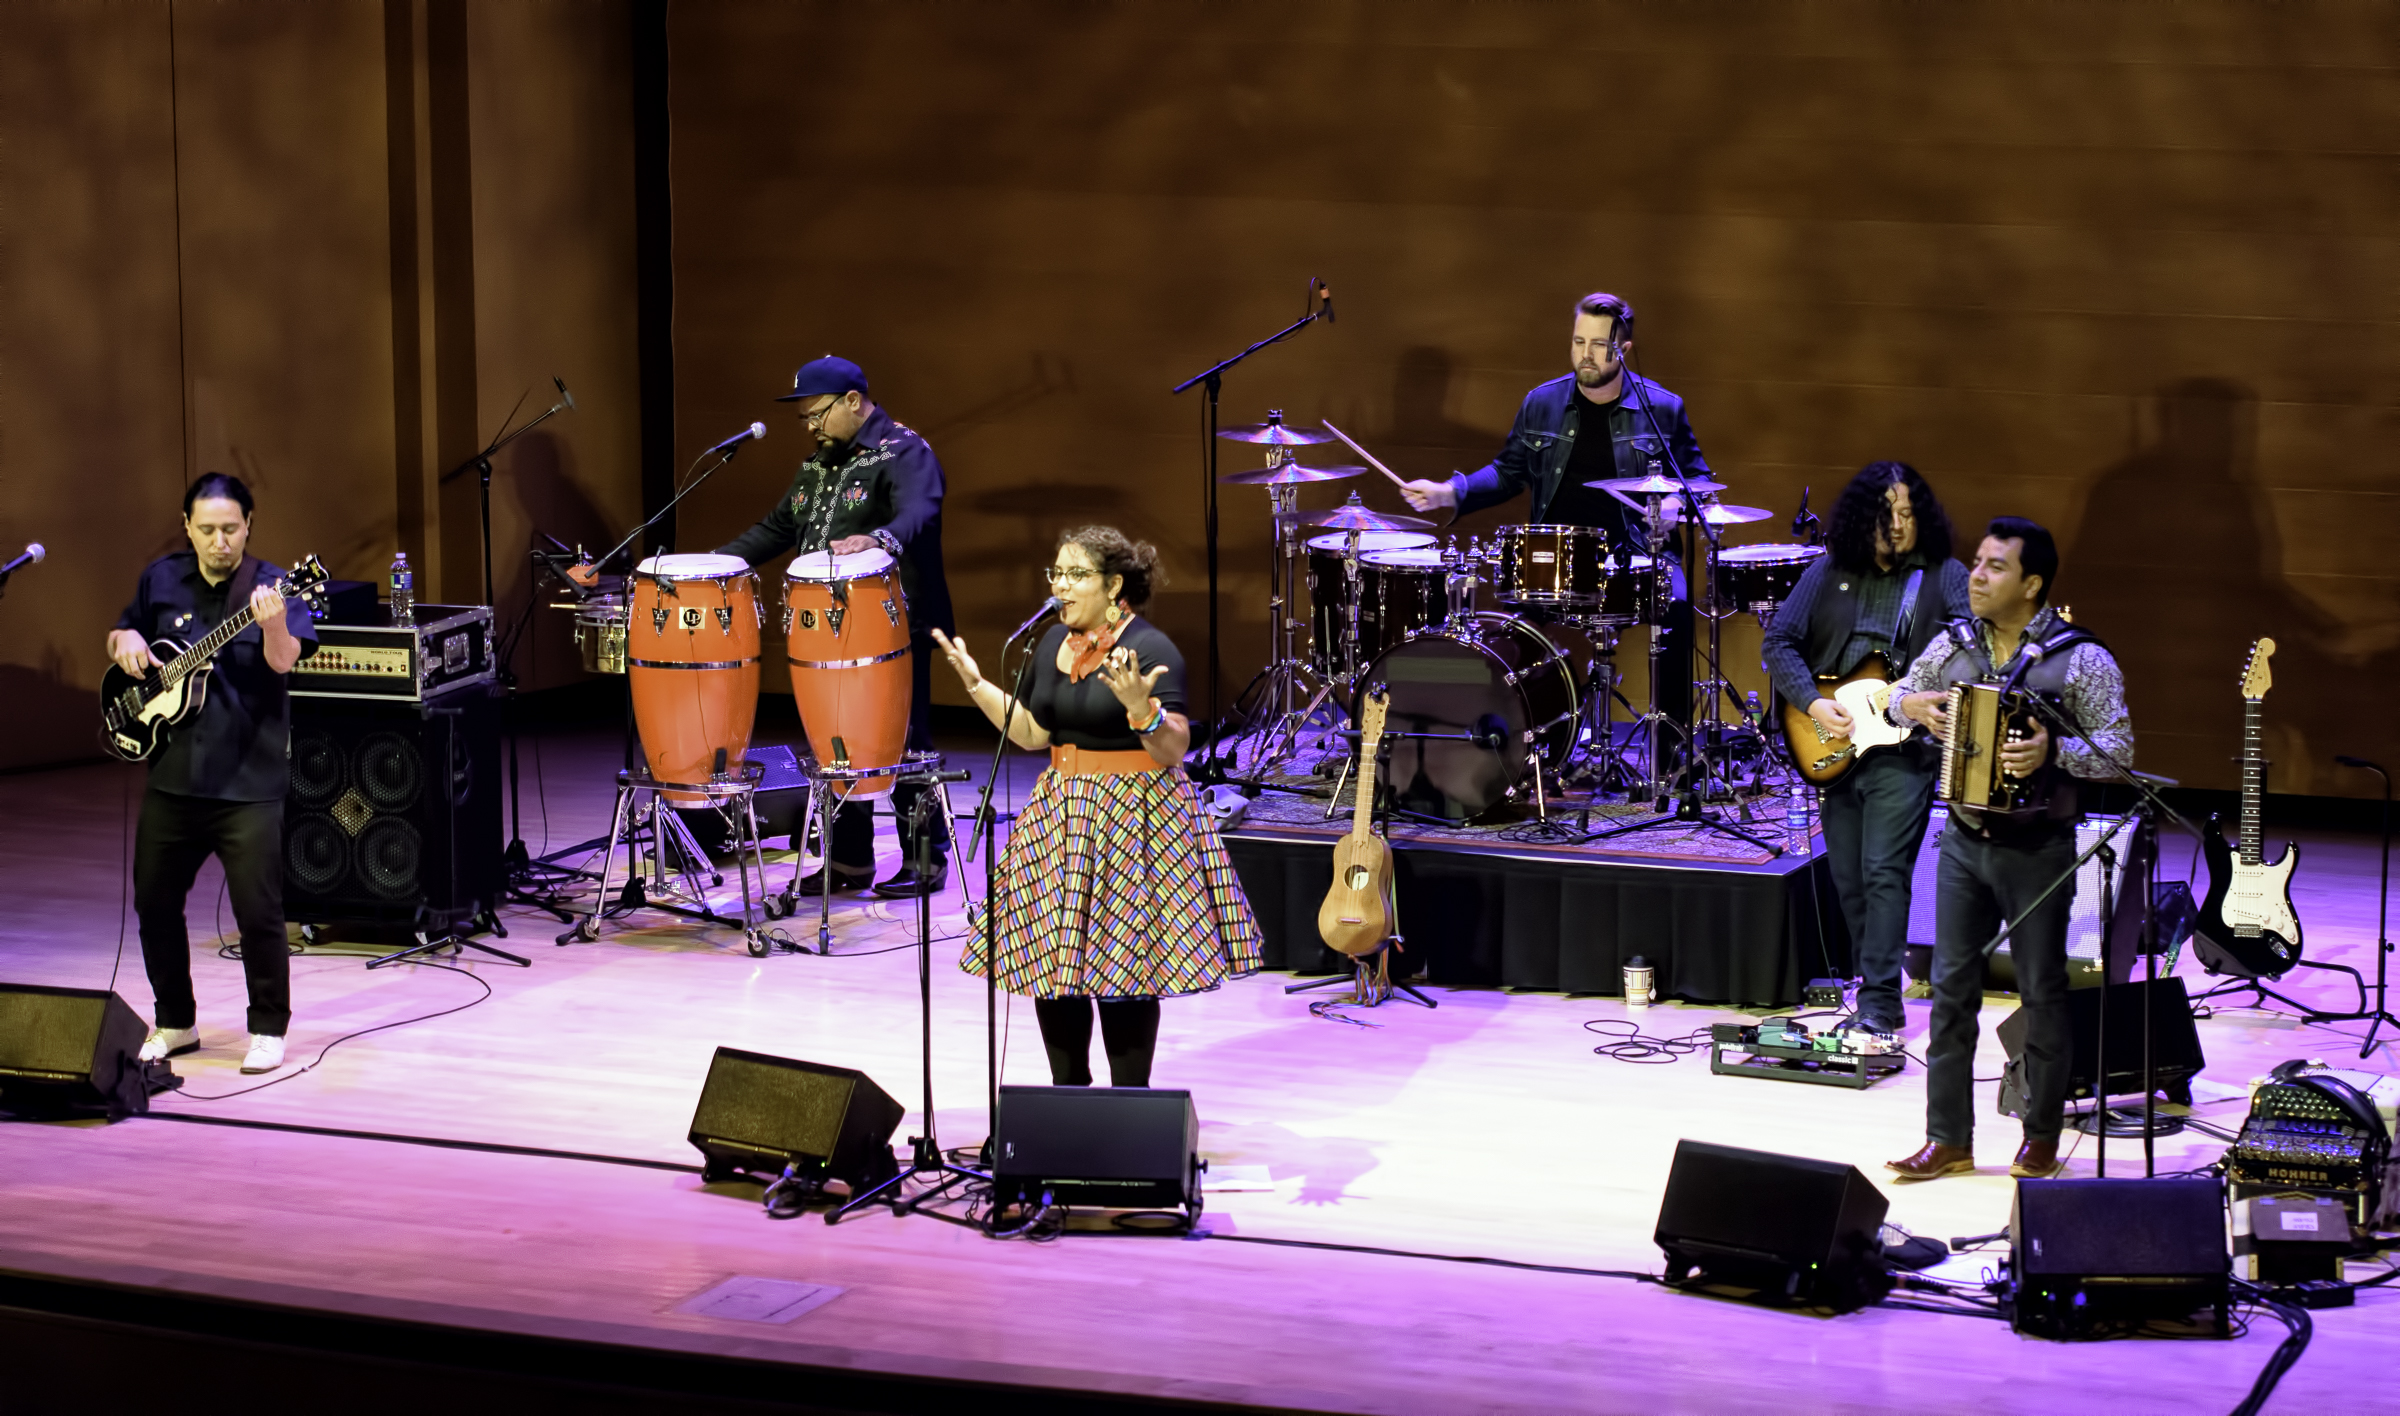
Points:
point(1485, 1129)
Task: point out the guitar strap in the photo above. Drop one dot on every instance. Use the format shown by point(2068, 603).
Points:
point(245, 580)
point(1908, 616)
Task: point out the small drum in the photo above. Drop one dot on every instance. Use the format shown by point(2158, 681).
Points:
point(1758, 578)
point(1549, 565)
point(1401, 593)
point(1329, 587)
point(1634, 594)
point(691, 651)
point(846, 629)
point(600, 633)
point(1506, 685)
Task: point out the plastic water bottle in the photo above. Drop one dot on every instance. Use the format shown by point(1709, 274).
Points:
point(1795, 819)
point(404, 591)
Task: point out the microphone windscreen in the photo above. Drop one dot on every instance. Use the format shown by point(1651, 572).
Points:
point(34, 549)
point(758, 430)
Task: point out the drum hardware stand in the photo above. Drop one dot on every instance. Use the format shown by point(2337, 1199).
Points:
point(638, 793)
point(1370, 977)
point(826, 797)
point(1287, 676)
point(1212, 378)
point(925, 1151)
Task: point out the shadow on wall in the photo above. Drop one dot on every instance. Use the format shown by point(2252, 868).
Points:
point(2179, 566)
point(547, 498)
point(45, 710)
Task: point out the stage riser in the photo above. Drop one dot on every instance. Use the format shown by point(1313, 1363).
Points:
point(1714, 936)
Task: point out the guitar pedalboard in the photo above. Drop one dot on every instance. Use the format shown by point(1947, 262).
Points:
point(1786, 1051)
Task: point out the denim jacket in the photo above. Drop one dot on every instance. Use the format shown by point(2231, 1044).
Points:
point(1535, 455)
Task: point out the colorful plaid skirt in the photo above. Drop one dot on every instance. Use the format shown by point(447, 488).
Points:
point(1114, 885)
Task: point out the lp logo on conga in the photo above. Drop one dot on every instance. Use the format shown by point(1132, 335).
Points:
point(692, 618)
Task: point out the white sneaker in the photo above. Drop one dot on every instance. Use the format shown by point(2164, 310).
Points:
point(163, 1043)
point(265, 1055)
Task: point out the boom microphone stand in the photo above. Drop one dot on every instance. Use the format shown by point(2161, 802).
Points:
point(1320, 300)
point(2377, 1016)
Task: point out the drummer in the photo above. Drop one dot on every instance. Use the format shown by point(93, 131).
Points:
point(873, 483)
point(1599, 422)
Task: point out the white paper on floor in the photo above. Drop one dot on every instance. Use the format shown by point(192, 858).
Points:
point(758, 1300)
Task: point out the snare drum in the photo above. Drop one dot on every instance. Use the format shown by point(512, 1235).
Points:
point(691, 652)
point(1549, 565)
point(1633, 594)
point(600, 633)
point(1329, 587)
point(846, 630)
point(1758, 578)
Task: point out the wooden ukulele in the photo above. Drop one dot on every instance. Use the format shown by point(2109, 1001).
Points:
point(1357, 915)
point(137, 715)
point(2248, 916)
point(1865, 692)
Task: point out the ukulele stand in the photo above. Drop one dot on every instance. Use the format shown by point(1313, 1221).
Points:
point(1370, 979)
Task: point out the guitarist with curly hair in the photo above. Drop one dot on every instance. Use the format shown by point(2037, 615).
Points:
point(1868, 608)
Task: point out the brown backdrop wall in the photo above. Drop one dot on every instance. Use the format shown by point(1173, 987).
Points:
point(2128, 270)
point(321, 244)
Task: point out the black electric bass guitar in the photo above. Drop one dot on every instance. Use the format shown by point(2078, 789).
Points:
point(137, 714)
point(2247, 923)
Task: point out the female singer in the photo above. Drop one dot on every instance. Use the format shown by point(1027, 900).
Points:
point(1114, 888)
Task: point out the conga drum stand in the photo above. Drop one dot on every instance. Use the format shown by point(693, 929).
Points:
point(676, 861)
point(829, 790)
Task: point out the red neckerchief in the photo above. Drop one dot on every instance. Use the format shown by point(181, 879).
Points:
point(1090, 649)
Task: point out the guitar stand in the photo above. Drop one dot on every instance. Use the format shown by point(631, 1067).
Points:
point(1370, 979)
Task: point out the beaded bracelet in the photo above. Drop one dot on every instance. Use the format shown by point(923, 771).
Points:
point(1158, 716)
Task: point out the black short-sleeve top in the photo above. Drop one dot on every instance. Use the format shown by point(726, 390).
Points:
point(1086, 714)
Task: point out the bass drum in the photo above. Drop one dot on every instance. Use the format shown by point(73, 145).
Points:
point(1506, 686)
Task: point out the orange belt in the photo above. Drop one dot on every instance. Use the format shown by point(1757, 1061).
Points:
point(1084, 762)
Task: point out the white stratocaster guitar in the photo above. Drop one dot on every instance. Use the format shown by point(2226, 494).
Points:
point(2248, 914)
point(1819, 755)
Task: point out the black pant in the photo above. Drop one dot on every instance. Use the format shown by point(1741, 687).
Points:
point(1984, 884)
point(853, 844)
point(1128, 1029)
point(1875, 818)
point(175, 835)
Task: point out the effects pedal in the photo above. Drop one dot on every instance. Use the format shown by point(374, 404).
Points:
point(1784, 1050)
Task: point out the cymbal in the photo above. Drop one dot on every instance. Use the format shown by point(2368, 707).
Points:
point(1274, 433)
point(1354, 515)
point(1719, 514)
point(1655, 485)
point(1288, 473)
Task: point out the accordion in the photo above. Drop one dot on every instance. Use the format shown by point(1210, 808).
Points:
point(1983, 720)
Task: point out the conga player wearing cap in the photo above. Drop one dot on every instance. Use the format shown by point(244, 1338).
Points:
point(1114, 889)
point(872, 483)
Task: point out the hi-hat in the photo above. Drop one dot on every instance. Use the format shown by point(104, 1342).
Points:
point(1274, 433)
point(1655, 485)
point(1354, 515)
point(1288, 473)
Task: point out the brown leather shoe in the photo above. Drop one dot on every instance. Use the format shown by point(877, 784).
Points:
point(1934, 1161)
point(2036, 1160)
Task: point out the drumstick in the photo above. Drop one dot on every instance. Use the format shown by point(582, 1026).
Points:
point(1397, 481)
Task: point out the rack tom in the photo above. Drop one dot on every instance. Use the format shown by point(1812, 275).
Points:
point(1758, 578)
point(1329, 588)
point(691, 656)
point(1549, 565)
point(846, 631)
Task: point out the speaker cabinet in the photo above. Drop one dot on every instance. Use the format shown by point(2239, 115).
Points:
point(2174, 1043)
point(64, 1050)
point(2088, 1258)
point(394, 812)
point(1103, 1147)
point(760, 1113)
point(1794, 1232)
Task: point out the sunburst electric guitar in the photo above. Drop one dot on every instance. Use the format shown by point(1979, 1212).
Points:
point(138, 714)
point(2248, 915)
point(1864, 693)
point(1357, 915)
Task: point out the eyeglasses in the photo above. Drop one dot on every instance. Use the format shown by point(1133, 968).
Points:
point(1057, 576)
point(817, 419)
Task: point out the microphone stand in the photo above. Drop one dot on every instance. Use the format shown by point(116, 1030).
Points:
point(1212, 378)
point(985, 826)
point(482, 463)
point(2376, 1017)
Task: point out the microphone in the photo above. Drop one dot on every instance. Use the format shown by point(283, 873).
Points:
point(755, 430)
point(1800, 518)
point(34, 553)
point(1323, 294)
point(1049, 608)
point(562, 392)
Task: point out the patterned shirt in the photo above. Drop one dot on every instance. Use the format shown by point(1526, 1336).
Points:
point(2094, 698)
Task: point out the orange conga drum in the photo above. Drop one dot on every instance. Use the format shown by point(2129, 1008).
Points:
point(691, 652)
point(847, 634)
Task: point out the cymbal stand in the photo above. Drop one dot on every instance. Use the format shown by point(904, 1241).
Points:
point(1287, 693)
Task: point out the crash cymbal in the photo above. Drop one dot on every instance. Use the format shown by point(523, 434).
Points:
point(1287, 473)
point(1274, 433)
point(1719, 514)
point(1655, 485)
point(1354, 515)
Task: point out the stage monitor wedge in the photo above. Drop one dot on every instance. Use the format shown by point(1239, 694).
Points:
point(2090, 1258)
point(1103, 1147)
point(64, 1050)
point(1794, 1232)
point(2175, 1056)
point(760, 1114)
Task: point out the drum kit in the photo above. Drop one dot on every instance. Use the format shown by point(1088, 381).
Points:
point(1489, 704)
point(686, 632)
